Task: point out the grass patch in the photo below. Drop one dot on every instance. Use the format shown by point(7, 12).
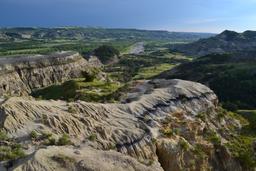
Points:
point(78, 89)
point(149, 72)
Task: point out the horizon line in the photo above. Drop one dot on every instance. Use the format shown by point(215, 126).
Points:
point(100, 27)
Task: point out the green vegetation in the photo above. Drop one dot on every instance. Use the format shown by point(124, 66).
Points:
point(231, 77)
point(64, 140)
point(71, 109)
point(143, 66)
point(199, 151)
point(44, 137)
point(92, 137)
point(213, 137)
point(82, 40)
point(49, 46)
point(201, 116)
point(149, 72)
point(48, 139)
point(250, 115)
point(241, 148)
point(78, 89)
point(34, 135)
point(9, 150)
point(3, 136)
point(90, 76)
point(184, 145)
point(242, 145)
point(106, 53)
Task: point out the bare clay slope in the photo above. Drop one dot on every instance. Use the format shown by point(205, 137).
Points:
point(160, 129)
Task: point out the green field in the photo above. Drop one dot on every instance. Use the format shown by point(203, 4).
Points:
point(149, 72)
point(46, 47)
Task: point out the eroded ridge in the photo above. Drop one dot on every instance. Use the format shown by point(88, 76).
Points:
point(159, 128)
point(19, 75)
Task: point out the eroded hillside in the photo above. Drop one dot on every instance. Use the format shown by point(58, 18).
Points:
point(165, 125)
point(19, 75)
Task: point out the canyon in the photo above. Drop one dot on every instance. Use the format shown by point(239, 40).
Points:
point(160, 124)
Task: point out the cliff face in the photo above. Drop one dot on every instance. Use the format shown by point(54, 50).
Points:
point(167, 125)
point(20, 75)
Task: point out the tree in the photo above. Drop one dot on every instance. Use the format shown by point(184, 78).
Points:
point(105, 53)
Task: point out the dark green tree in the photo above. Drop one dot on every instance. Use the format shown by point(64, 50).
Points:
point(105, 53)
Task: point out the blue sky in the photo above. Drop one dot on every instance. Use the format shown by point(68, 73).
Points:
point(173, 15)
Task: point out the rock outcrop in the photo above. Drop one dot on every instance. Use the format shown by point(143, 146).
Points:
point(21, 74)
point(165, 125)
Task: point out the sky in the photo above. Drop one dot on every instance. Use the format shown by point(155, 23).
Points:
point(173, 15)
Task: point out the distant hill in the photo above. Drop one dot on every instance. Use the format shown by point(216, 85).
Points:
point(79, 33)
point(226, 42)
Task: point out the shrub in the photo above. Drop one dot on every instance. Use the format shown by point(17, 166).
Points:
point(50, 141)
point(46, 135)
point(64, 140)
point(11, 152)
point(92, 137)
point(34, 135)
